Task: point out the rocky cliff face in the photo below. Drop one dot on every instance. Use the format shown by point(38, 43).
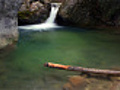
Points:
point(8, 21)
point(91, 12)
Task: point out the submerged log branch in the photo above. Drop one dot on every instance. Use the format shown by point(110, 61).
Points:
point(82, 69)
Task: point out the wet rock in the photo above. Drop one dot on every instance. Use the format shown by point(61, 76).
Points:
point(91, 83)
point(76, 80)
point(75, 83)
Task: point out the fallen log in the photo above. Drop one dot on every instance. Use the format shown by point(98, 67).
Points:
point(82, 69)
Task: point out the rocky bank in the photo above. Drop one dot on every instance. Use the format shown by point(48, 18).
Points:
point(92, 83)
point(8, 21)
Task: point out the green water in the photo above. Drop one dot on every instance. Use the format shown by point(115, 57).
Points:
point(22, 68)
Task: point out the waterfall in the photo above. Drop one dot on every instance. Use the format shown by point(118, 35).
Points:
point(53, 13)
point(49, 23)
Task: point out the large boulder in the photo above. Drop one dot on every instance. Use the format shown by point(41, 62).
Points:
point(90, 12)
point(8, 21)
point(32, 12)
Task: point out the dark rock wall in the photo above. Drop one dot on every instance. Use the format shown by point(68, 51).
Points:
point(91, 12)
point(8, 21)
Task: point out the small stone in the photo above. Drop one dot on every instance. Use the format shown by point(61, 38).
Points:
point(76, 80)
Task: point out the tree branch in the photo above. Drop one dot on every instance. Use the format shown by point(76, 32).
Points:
point(82, 69)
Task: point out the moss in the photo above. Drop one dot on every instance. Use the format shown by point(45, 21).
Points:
point(25, 14)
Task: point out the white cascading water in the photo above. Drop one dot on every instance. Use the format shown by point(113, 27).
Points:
point(53, 13)
point(49, 23)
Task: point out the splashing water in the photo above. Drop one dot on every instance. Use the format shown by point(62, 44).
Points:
point(48, 24)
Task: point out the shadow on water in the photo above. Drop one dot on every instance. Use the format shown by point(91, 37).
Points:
point(23, 67)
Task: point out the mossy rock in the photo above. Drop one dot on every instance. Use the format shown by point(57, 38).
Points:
point(31, 17)
point(25, 14)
